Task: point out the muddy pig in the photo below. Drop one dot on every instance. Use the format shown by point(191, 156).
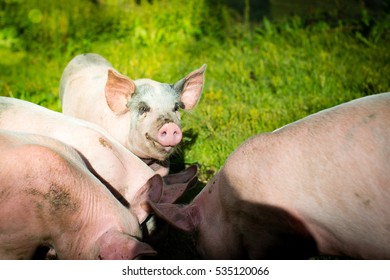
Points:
point(119, 169)
point(320, 185)
point(143, 115)
point(49, 198)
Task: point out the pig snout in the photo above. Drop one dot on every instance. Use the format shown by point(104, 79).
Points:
point(169, 135)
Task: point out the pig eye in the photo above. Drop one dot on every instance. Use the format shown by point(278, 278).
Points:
point(178, 105)
point(143, 108)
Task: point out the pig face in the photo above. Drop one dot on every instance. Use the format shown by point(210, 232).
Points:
point(155, 119)
point(153, 110)
point(207, 219)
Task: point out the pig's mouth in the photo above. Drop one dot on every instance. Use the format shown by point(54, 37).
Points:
point(160, 148)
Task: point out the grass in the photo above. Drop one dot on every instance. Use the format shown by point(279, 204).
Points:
point(261, 74)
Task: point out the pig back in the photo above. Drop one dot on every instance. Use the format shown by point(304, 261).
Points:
point(83, 65)
point(82, 86)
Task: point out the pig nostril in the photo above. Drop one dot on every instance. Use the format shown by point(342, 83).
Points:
point(169, 135)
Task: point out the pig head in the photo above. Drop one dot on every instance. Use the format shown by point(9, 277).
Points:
point(50, 199)
point(225, 227)
point(143, 115)
point(320, 185)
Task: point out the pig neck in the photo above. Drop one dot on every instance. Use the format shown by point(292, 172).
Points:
point(134, 172)
point(117, 124)
point(214, 227)
point(208, 200)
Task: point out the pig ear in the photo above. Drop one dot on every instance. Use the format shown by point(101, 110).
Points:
point(175, 185)
point(119, 90)
point(151, 191)
point(181, 177)
point(186, 218)
point(171, 193)
point(114, 245)
point(190, 87)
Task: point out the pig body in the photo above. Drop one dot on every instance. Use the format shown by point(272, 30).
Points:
point(143, 115)
point(318, 185)
point(119, 169)
point(49, 198)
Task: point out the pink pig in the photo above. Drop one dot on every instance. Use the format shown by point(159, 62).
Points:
point(318, 185)
point(119, 169)
point(50, 199)
point(143, 115)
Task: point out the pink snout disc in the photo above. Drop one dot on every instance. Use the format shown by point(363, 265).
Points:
point(169, 135)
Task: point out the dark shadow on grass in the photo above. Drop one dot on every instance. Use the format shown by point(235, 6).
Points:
point(177, 160)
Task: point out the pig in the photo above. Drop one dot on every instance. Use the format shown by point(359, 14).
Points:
point(119, 169)
point(317, 186)
point(49, 198)
point(143, 115)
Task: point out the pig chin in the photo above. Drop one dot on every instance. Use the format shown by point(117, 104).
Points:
point(156, 150)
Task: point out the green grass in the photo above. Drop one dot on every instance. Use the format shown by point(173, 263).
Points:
point(260, 75)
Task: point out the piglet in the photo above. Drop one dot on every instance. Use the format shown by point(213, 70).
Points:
point(320, 185)
point(143, 115)
point(49, 198)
